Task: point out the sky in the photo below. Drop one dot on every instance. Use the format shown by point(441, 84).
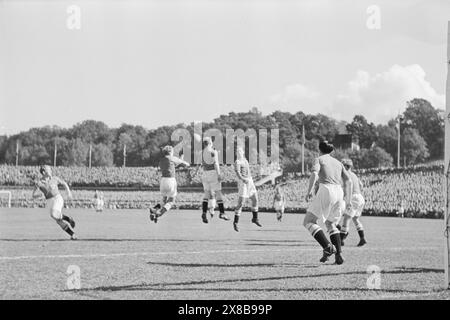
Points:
point(155, 63)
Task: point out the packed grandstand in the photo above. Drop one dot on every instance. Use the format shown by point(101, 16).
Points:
point(415, 191)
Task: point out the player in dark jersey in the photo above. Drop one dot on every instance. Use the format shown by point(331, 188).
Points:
point(211, 180)
point(168, 183)
point(48, 185)
point(328, 202)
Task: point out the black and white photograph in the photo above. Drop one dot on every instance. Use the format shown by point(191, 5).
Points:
point(224, 155)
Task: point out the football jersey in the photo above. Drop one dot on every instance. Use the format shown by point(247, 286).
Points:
point(207, 166)
point(167, 167)
point(49, 187)
point(329, 169)
point(244, 168)
point(355, 182)
point(278, 197)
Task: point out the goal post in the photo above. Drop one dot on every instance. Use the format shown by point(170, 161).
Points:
point(8, 194)
point(447, 166)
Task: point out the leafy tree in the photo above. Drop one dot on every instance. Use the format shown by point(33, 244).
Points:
point(429, 124)
point(92, 131)
point(387, 138)
point(3, 147)
point(413, 146)
point(75, 153)
point(102, 156)
point(35, 154)
point(374, 158)
point(363, 131)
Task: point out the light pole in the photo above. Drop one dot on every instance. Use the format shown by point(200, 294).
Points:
point(303, 149)
point(90, 155)
point(55, 151)
point(124, 155)
point(17, 153)
point(399, 120)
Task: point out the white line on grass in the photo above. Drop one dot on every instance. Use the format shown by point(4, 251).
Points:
point(133, 254)
point(403, 296)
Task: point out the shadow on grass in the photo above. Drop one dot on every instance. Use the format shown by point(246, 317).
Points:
point(186, 285)
point(280, 244)
point(238, 265)
point(102, 240)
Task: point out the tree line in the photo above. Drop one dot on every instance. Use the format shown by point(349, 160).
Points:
point(421, 131)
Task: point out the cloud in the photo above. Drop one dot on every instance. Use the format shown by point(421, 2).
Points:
point(294, 98)
point(380, 97)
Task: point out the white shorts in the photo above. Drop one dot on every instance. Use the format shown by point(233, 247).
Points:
point(168, 187)
point(55, 205)
point(246, 190)
point(279, 206)
point(356, 206)
point(210, 181)
point(99, 204)
point(328, 203)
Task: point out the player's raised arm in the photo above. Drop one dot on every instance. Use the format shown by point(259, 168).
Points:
point(34, 195)
point(66, 186)
point(177, 161)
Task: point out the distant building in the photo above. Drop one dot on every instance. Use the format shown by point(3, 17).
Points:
point(345, 142)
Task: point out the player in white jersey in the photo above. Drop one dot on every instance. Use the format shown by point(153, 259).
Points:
point(98, 201)
point(278, 203)
point(247, 188)
point(328, 203)
point(211, 180)
point(168, 183)
point(354, 208)
point(48, 185)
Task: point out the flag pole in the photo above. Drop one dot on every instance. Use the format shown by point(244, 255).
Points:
point(17, 153)
point(303, 149)
point(54, 154)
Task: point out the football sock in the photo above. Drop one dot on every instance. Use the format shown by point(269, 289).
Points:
point(205, 205)
point(361, 234)
point(336, 241)
point(318, 234)
point(255, 214)
point(67, 229)
point(221, 206)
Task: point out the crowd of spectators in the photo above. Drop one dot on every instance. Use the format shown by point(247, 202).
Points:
point(409, 192)
point(98, 177)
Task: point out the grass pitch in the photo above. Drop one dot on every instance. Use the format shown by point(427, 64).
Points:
point(122, 255)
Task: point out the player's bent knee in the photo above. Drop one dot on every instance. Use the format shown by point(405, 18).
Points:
point(309, 219)
point(357, 223)
point(55, 214)
point(312, 228)
point(331, 227)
